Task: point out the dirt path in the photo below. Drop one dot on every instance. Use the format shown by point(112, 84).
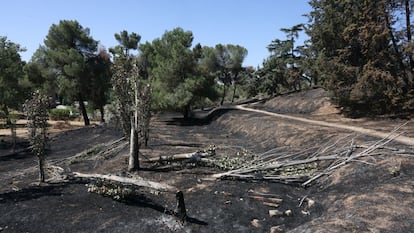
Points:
point(374, 133)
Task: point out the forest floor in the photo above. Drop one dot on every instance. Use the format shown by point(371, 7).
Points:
point(362, 196)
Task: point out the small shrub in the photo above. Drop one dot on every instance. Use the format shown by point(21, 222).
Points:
point(59, 114)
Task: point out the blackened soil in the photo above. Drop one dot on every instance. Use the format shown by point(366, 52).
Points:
point(355, 198)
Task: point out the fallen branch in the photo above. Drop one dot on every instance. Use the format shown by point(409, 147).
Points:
point(267, 199)
point(349, 158)
point(189, 157)
point(308, 165)
point(101, 151)
point(270, 204)
point(185, 157)
point(126, 181)
point(180, 210)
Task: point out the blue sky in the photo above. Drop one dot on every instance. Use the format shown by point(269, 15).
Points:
point(252, 24)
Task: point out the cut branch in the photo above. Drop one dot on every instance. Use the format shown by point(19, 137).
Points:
point(101, 151)
point(308, 165)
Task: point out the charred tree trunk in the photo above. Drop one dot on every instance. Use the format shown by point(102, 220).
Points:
point(234, 92)
point(102, 111)
point(180, 210)
point(133, 163)
point(7, 113)
point(187, 112)
point(224, 94)
point(82, 108)
point(41, 163)
point(146, 137)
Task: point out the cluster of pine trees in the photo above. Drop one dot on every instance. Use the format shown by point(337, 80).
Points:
point(361, 51)
point(70, 66)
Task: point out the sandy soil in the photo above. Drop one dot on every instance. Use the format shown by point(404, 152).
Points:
point(355, 198)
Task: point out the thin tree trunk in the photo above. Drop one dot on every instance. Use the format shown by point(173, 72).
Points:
point(409, 36)
point(133, 163)
point(224, 94)
point(7, 113)
point(180, 209)
point(394, 42)
point(102, 111)
point(234, 92)
point(146, 137)
point(41, 169)
point(14, 135)
point(187, 112)
point(12, 125)
point(82, 108)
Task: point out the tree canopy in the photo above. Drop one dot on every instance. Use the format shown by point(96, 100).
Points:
point(69, 48)
point(361, 51)
point(362, 57)
point(178, 82)
point(12, 93)
point(283, 69)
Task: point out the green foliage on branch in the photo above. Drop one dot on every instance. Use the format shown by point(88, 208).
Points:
point(364, 55)
point(69, 50)
point(283, 70)
point(179, 82)
point(12, 92)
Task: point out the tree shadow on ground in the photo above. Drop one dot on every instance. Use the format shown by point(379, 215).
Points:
point(144, 201)
point(17, 155)
point(32, 192)
point(178, 144)
point(200, 118)
point(175, 166)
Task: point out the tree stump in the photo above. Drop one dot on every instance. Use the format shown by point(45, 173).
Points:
point(181, 212)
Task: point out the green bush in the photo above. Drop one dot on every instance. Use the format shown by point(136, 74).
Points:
point(59, 114)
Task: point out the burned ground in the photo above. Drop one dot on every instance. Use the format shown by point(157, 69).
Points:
point(358, 197)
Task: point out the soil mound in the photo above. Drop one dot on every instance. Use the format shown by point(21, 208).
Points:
point(313, 101)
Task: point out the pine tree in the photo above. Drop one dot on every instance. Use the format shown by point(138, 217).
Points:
point(69, 48)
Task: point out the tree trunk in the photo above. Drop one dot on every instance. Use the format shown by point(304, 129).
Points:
point(234, 92)
point(102, 111)
point(133, 163)
point(395, 44)
point(82, 108)
point(41, 169)
point(409, 36)
point(146, 137)
point(14, 135)
point(180, 209)
point(187, 112)
point(7, 113)
point(224, 94)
